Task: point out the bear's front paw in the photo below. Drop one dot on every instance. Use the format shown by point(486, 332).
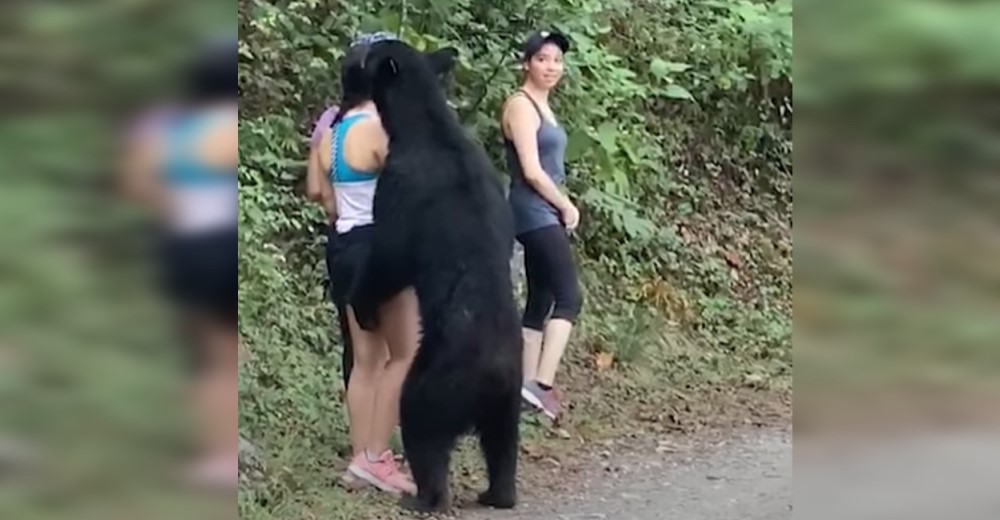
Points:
point(420, 505)
point(498, 500)
point(367, 318)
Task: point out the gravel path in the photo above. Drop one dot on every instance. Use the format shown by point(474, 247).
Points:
point(747, 477)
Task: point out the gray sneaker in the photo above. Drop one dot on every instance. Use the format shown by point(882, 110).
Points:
point(548, 401)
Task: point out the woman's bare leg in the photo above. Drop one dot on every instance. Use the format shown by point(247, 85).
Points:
point(217, 402)
point(557, 333)
point(370, 357)
point(400, 319)
point(532, 352)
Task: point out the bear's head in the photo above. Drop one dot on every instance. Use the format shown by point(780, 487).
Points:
point(408, 85)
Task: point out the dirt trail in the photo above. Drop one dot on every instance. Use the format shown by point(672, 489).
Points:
point(744, 477)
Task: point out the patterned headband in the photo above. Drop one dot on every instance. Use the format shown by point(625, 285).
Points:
point(370, 38)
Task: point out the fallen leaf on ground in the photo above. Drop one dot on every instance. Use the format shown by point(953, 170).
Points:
point(666, 448)
point(603, 361)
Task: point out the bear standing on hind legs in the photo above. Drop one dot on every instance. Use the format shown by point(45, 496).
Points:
point(442, 225)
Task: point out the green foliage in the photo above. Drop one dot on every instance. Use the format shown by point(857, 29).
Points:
point(679, 113)
point(90, 374)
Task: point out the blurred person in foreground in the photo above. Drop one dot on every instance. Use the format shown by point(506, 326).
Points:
point(183, 164)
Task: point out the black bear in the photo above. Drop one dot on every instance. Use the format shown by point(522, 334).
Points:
point(442, 225)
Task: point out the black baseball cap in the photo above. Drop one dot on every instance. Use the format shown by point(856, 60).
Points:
point(212, 71)
point(537, 40)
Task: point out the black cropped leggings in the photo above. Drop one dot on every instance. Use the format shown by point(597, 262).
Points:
point(553, 286)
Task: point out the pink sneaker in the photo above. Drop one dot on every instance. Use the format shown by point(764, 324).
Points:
point(548, 401)
point(220, 471)
point(352, 482)
point(383, 474)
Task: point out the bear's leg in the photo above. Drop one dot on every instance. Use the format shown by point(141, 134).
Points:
point(429, 457)
point(499, 439)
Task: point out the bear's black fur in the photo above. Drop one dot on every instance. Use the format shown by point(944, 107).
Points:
point(443, 226)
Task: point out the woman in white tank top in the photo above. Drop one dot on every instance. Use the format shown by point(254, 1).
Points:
point(184, 164)
point(343, 172)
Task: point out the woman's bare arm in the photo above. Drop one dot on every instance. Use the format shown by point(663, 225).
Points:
point(138, 175)
point(318, 187)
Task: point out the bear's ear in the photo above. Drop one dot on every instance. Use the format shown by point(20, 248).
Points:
point(390, 66)
point(386, 68)
point(443, 60)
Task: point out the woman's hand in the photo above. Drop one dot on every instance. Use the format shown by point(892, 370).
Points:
point(570, 216)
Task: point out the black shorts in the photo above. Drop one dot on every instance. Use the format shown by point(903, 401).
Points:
point(346, 255)
point(201, 273)
point(345, 258)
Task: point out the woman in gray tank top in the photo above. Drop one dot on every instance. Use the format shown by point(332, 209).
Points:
point(535, 147)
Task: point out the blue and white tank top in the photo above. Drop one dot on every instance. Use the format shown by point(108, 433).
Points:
point(201, 197)
point(354, 190)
